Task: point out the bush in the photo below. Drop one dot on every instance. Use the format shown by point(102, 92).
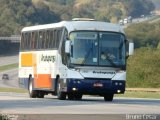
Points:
point(143, 68)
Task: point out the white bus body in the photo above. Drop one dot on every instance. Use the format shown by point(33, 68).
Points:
point(95, 62)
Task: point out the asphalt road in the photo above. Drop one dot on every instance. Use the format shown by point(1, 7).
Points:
point(5, 60)
point(12, 82)
point(21, 104)
point(13, 73)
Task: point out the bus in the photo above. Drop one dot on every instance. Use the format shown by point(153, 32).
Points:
point(73, 58)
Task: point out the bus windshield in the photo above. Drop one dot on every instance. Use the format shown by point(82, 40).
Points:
point(97, 49)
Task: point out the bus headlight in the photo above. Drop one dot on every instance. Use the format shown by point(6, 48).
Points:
point(74, 89)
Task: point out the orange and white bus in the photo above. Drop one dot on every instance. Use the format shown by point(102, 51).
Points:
point(73, 58)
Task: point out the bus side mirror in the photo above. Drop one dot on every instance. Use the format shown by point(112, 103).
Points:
point(131, 48)
point(67, 47)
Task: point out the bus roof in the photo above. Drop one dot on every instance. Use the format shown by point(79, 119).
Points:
point(78, 25)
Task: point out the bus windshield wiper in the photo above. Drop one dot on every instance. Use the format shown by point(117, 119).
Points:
point(87, 55)
point(110, 61)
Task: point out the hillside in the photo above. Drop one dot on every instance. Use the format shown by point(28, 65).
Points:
point(156, 3)
point(16, 14)
point(144, 66)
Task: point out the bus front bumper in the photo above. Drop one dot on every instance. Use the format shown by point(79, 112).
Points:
point(96, 86)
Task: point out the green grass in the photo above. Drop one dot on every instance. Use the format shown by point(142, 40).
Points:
point(155, 95)
point(129, 94)
point(8, 67)
point(16, 90)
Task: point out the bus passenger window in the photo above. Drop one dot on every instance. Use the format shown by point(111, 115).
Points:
point(52, 39)
point(33, 41)
point(40, 40)
point(36, 40)
point(47, 39)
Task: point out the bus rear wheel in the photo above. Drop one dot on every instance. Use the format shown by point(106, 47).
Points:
point(108, 97)
point(40, 94)
point(32, 93)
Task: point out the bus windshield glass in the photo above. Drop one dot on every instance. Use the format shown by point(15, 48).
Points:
point(97, 49)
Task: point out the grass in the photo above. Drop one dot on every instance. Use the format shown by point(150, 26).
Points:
point(8, 67)
point(15, 90)
point(129, 94)
point(135, 94)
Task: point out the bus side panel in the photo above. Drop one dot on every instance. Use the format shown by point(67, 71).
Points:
point(43, 81)
point(25, 68)
point(26, 60)
point(23, 83)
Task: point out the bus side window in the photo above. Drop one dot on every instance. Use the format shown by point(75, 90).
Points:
point(36, 40)
point(47, 39)
point(33, 41)
point(52, 39)
point(59, 36)
point(26, 41)
point(55, 38)
point(40, 40)
point(63, 54)
point(43, 39)
point(29, 41)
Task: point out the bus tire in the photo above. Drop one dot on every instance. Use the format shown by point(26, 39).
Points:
point(40, 94)
point(70, 96)
point(78, 96)
point(60, 94)
point(108, 97)
point(32, 93)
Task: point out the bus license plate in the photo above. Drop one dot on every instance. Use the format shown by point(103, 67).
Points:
point(97, 85)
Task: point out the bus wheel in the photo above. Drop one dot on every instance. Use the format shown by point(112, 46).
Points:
point(78, 96)
point(32, 93)
point(108, 97)
point(70, 96)
point(61, 95)
point(40, 94)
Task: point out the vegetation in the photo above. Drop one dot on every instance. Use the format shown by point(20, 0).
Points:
point(129, 94)
point(16, 14)
point(16, 90)
point(8, 67)
point(144, 66)
point(144, 34)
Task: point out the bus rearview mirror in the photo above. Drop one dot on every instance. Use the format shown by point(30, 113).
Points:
point(68, 46)
point(131, 48)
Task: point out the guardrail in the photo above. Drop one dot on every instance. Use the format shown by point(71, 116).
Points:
point(143, 89)
point(13, 38)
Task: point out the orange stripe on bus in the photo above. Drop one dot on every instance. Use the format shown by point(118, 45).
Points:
point(43, 81)
point(26, 59)
point(35, 65)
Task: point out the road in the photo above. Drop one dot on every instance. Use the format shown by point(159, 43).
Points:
point(13, 78)
point(5, 60)
point(21, 104)
point(89, 108)
point(13, 73)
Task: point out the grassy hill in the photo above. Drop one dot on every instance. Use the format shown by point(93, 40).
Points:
point(143, 68)
point(16, 14)
point(156, 3)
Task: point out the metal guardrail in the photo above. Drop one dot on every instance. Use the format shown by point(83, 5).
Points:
point(143, 89)
point(13, 38)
